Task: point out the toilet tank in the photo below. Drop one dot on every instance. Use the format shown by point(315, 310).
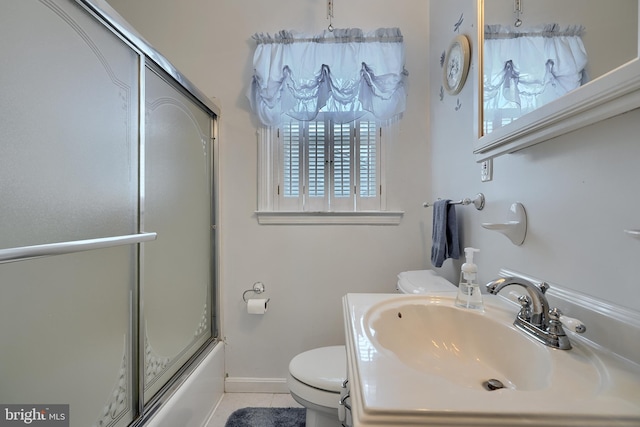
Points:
point(422, 282)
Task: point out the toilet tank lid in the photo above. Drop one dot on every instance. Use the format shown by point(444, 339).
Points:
point(324, 368)
point(423, 281)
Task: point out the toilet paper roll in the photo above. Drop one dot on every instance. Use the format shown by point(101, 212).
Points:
point(257, 306)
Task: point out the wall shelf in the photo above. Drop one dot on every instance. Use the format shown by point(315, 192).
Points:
point(515, 228)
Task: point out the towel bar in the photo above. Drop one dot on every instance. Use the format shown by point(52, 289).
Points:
point(633, 233)
point(51, 249)
point(477, 201)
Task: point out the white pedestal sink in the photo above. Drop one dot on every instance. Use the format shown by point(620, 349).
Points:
point(419, 360)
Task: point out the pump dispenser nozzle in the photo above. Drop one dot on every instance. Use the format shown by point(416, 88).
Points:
point(468, 289)
point(469, 269)
point(468, 254)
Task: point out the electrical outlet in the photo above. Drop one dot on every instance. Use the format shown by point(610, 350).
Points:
point(486, 171)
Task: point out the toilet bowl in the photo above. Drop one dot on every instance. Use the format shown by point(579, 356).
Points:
point(315, 380)
point(316, 376)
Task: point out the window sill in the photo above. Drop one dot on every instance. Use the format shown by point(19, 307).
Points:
point(331, 218)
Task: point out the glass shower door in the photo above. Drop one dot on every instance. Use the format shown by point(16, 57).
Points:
point(96, 151)
point(176, 286)
point(68, 174)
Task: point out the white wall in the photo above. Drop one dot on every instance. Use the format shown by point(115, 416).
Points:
point(306, 269)
point(580, 190)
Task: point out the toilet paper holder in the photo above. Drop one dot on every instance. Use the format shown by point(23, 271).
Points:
point(257, 288)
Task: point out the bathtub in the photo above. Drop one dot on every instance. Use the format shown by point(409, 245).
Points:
point(196, 395)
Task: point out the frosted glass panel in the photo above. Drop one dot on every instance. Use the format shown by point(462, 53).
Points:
point(177, 205)
point(64, 329)
point(69, 124)
point(72, 329)
point(68, 171)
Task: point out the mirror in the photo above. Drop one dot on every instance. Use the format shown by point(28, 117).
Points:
point(588, 69)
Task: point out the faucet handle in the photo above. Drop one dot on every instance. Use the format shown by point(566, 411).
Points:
point(525, 310)
point(573, 324)
point(544, 287)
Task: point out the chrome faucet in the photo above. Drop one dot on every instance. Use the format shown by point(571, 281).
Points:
point(535, 318)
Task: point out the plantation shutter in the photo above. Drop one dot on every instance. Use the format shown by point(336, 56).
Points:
point(341, 166)
point(315, 174)
point(368, 167)
point(290, 183)
point(329, 166)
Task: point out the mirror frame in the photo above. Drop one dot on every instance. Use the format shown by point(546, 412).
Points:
point(613, 93)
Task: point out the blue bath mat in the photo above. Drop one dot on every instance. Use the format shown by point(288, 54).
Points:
point(267, 417)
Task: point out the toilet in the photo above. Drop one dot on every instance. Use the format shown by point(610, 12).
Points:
point(423, 282)
point(315, 380)
point(316, 376)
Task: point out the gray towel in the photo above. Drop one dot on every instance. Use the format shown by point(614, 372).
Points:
point(445, 240)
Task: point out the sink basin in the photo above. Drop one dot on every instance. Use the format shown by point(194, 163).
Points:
point(420, 360)
point(462, 346)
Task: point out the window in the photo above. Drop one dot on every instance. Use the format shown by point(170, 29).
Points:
point(328, 166)
point(319, 168)
point(318, 99)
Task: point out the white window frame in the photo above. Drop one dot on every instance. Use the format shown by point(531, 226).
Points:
point(274, 208)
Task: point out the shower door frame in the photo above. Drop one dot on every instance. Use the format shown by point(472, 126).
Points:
point(152, 59)
point(147, 57)
point(149, 409)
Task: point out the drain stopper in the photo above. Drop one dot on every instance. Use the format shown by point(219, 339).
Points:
point(493, 384)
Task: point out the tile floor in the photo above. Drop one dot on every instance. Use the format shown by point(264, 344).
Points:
point(232, 401)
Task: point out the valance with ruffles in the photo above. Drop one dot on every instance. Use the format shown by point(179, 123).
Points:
point(525, 69)
point(345, 73)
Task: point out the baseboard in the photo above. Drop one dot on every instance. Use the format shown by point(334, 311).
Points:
point(255, 385)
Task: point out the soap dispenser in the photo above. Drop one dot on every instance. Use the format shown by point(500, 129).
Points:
point(468, 290)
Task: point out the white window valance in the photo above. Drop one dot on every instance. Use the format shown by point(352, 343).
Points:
point(345, 73)
point(525, 69)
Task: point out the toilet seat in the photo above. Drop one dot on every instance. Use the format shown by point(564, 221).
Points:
point(322, 368)
point(317, 375)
